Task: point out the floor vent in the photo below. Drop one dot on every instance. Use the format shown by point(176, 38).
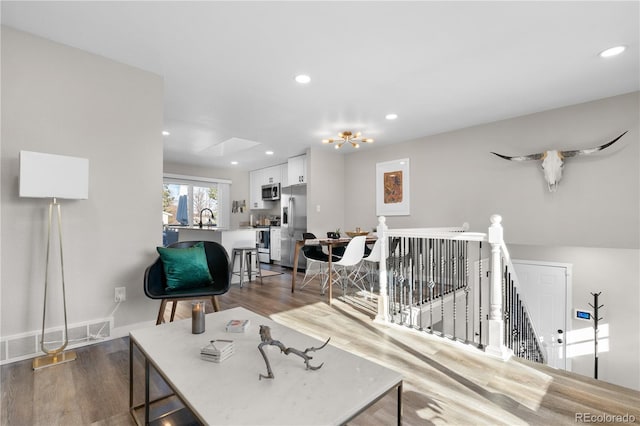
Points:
point(27, 345)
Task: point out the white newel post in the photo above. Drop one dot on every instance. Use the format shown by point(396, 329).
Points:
point(383, 298)
point(496, 345)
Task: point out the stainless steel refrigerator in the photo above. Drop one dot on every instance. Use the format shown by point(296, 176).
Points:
point(293, 205)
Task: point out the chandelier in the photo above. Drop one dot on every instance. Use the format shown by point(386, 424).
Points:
point(348, 137)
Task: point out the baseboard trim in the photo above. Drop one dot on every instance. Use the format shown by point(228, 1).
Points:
point(24, 346)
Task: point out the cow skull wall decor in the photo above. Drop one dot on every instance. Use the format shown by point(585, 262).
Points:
point(553, 161)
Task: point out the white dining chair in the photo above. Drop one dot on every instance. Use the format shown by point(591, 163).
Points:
point(317, 263)
point(347, 267)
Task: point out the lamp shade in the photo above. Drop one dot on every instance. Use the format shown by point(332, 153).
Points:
point(53, 176)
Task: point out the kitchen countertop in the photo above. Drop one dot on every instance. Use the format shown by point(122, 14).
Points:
point(212, 228)
point(215, 228)
point(197, 228)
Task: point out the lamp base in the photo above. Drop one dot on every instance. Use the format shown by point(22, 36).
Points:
point(49, 360)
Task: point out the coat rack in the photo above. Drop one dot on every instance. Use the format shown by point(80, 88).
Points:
point(596, 318)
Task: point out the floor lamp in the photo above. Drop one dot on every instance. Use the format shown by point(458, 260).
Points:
point(53, 176)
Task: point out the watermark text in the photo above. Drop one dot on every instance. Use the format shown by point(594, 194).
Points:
point(604, 418)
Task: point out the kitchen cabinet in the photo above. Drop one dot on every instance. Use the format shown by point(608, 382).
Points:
point(297, 170)
point(256, 180)
point(274, 243)
point(284, 168)
point(272, 175)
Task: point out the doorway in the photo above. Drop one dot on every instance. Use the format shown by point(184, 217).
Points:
point(546, 290)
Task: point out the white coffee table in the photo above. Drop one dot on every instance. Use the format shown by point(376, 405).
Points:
point(230, 393)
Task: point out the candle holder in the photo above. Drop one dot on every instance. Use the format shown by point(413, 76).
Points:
point(197, 317)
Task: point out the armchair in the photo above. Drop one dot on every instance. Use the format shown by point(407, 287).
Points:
point(155, 279)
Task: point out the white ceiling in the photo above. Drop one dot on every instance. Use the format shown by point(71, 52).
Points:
point(229, 67)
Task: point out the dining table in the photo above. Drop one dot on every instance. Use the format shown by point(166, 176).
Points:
point(330, 243)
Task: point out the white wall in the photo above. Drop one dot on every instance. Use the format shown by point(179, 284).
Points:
point(592, 221)
point(614, 272)
point(455, 178)
point(325, 191)
point(61, 100)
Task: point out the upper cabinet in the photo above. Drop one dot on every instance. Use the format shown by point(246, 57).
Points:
point(257, 178)
point(284, 168)
point(272, 175)
point(294, 172)
point(297, 170)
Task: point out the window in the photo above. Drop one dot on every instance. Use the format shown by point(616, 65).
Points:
point(187, 199)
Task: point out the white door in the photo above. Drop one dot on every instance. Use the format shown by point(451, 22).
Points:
point(545, 287)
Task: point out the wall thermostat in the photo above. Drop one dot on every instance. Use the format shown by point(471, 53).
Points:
point(583, 315)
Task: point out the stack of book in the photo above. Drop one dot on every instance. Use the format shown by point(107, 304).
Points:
point(217, 350)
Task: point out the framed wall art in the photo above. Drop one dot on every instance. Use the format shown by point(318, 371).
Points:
point(393, 188)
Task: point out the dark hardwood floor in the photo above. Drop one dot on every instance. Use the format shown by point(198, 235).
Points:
point(445, 383)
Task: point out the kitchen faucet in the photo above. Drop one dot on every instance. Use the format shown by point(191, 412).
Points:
point(210, 219)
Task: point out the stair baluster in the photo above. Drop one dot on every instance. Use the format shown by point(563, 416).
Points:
point(432, 266)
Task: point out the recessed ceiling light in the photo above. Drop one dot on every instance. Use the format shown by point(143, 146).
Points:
point(165, 133)
point(612, 51)
point(234, 163)
point(391, 116)
point(269, 152)
point(303, 78)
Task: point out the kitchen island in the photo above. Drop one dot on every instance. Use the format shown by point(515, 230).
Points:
point(228, 238)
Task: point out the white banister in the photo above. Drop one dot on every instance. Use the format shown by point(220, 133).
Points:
point(383, 297)
point(429, 287)
point(506, 261)
point(495, 344)
point(442, 233)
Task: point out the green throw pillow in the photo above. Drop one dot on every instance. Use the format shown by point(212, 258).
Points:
point(185, 267)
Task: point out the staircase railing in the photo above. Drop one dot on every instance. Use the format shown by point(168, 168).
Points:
point(520, 332)
point(435, 280)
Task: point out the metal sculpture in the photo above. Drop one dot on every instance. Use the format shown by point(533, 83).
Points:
point(553, 161)
point(265, 336)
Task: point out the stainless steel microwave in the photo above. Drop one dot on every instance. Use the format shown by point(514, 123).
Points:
point(271, 192)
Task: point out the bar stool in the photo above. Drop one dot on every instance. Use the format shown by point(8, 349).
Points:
point(245, 254)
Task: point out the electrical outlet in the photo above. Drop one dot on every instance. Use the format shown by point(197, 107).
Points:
point(121, 294)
